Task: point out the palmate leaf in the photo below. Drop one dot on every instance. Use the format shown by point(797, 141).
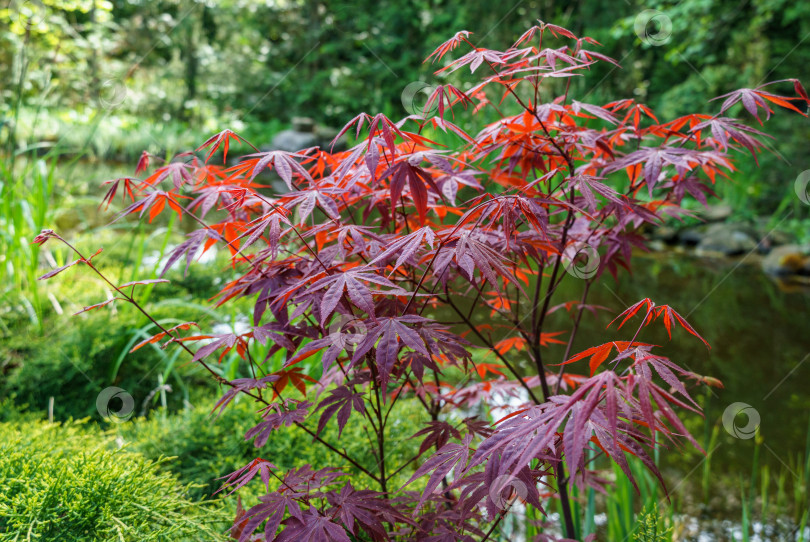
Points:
point(241, 477)
point(653, 312)
point(448, 45)
point(450, 457)
point(757, 98)
point(722, 129)
point(654, 160)
point(365, 509)
point(228, 341)
point(284, 163)
point(437, 433)
point(352, 283)
point(405, 247)
point(155, 338)
point(341, 401)
point(241, 385)
point(595, 110)
point(189, 248)
point(277, 416)
point(378, 124)
point(387, 333)
point(599, 354)
point(418, 181)
point(475, 58)
point(307, 200)
point(269, 223)
point(447, 96)
point(272, 510)
point(220, 140)
point(129, 185)
point(694, 187)
point(179, 172)
point(599, 411)
point(312, 527)
point(154, 202)
point(588, 185)
point(467, 249)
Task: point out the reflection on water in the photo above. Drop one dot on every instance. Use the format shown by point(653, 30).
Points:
point(759, 338)
point(760, 351)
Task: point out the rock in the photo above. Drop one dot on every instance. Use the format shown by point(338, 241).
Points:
point(770, 238)
point(292, 141)
point(656, 245)
point(728, 239)
point(303, 124)
point(715, 213)
point(778, 238)
point(666, 234)
point(690, 236)
point(304, 134)
point(325, 137)
point(787, 260)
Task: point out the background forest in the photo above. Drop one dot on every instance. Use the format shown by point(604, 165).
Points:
point(157, 72)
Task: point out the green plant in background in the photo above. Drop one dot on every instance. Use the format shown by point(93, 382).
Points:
point(621, 499)
point(204, 446)
point(85, 489)
point(83, 361)
point(25, 208)
point(649, 528)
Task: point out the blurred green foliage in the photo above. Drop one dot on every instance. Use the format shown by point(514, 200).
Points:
point(73, 358)
point(208, 447)
point(113, 78)
point(75, 361)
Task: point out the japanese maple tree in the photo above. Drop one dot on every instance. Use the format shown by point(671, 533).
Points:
point(380, 261)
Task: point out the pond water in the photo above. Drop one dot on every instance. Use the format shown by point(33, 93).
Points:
point(760, 345)
point(760, 350)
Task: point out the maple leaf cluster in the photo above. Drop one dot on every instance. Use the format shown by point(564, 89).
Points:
point(433, 253)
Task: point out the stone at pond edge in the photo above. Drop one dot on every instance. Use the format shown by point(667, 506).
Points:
point(690, 236)
point(666, 234)
point(292, 141)
point(787, 260)
point(715, 213)
point(728, 239)
point(304, 134)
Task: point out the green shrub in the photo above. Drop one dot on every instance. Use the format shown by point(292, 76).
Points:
point(79, 357)
point(205, 448)
point(85, 489)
